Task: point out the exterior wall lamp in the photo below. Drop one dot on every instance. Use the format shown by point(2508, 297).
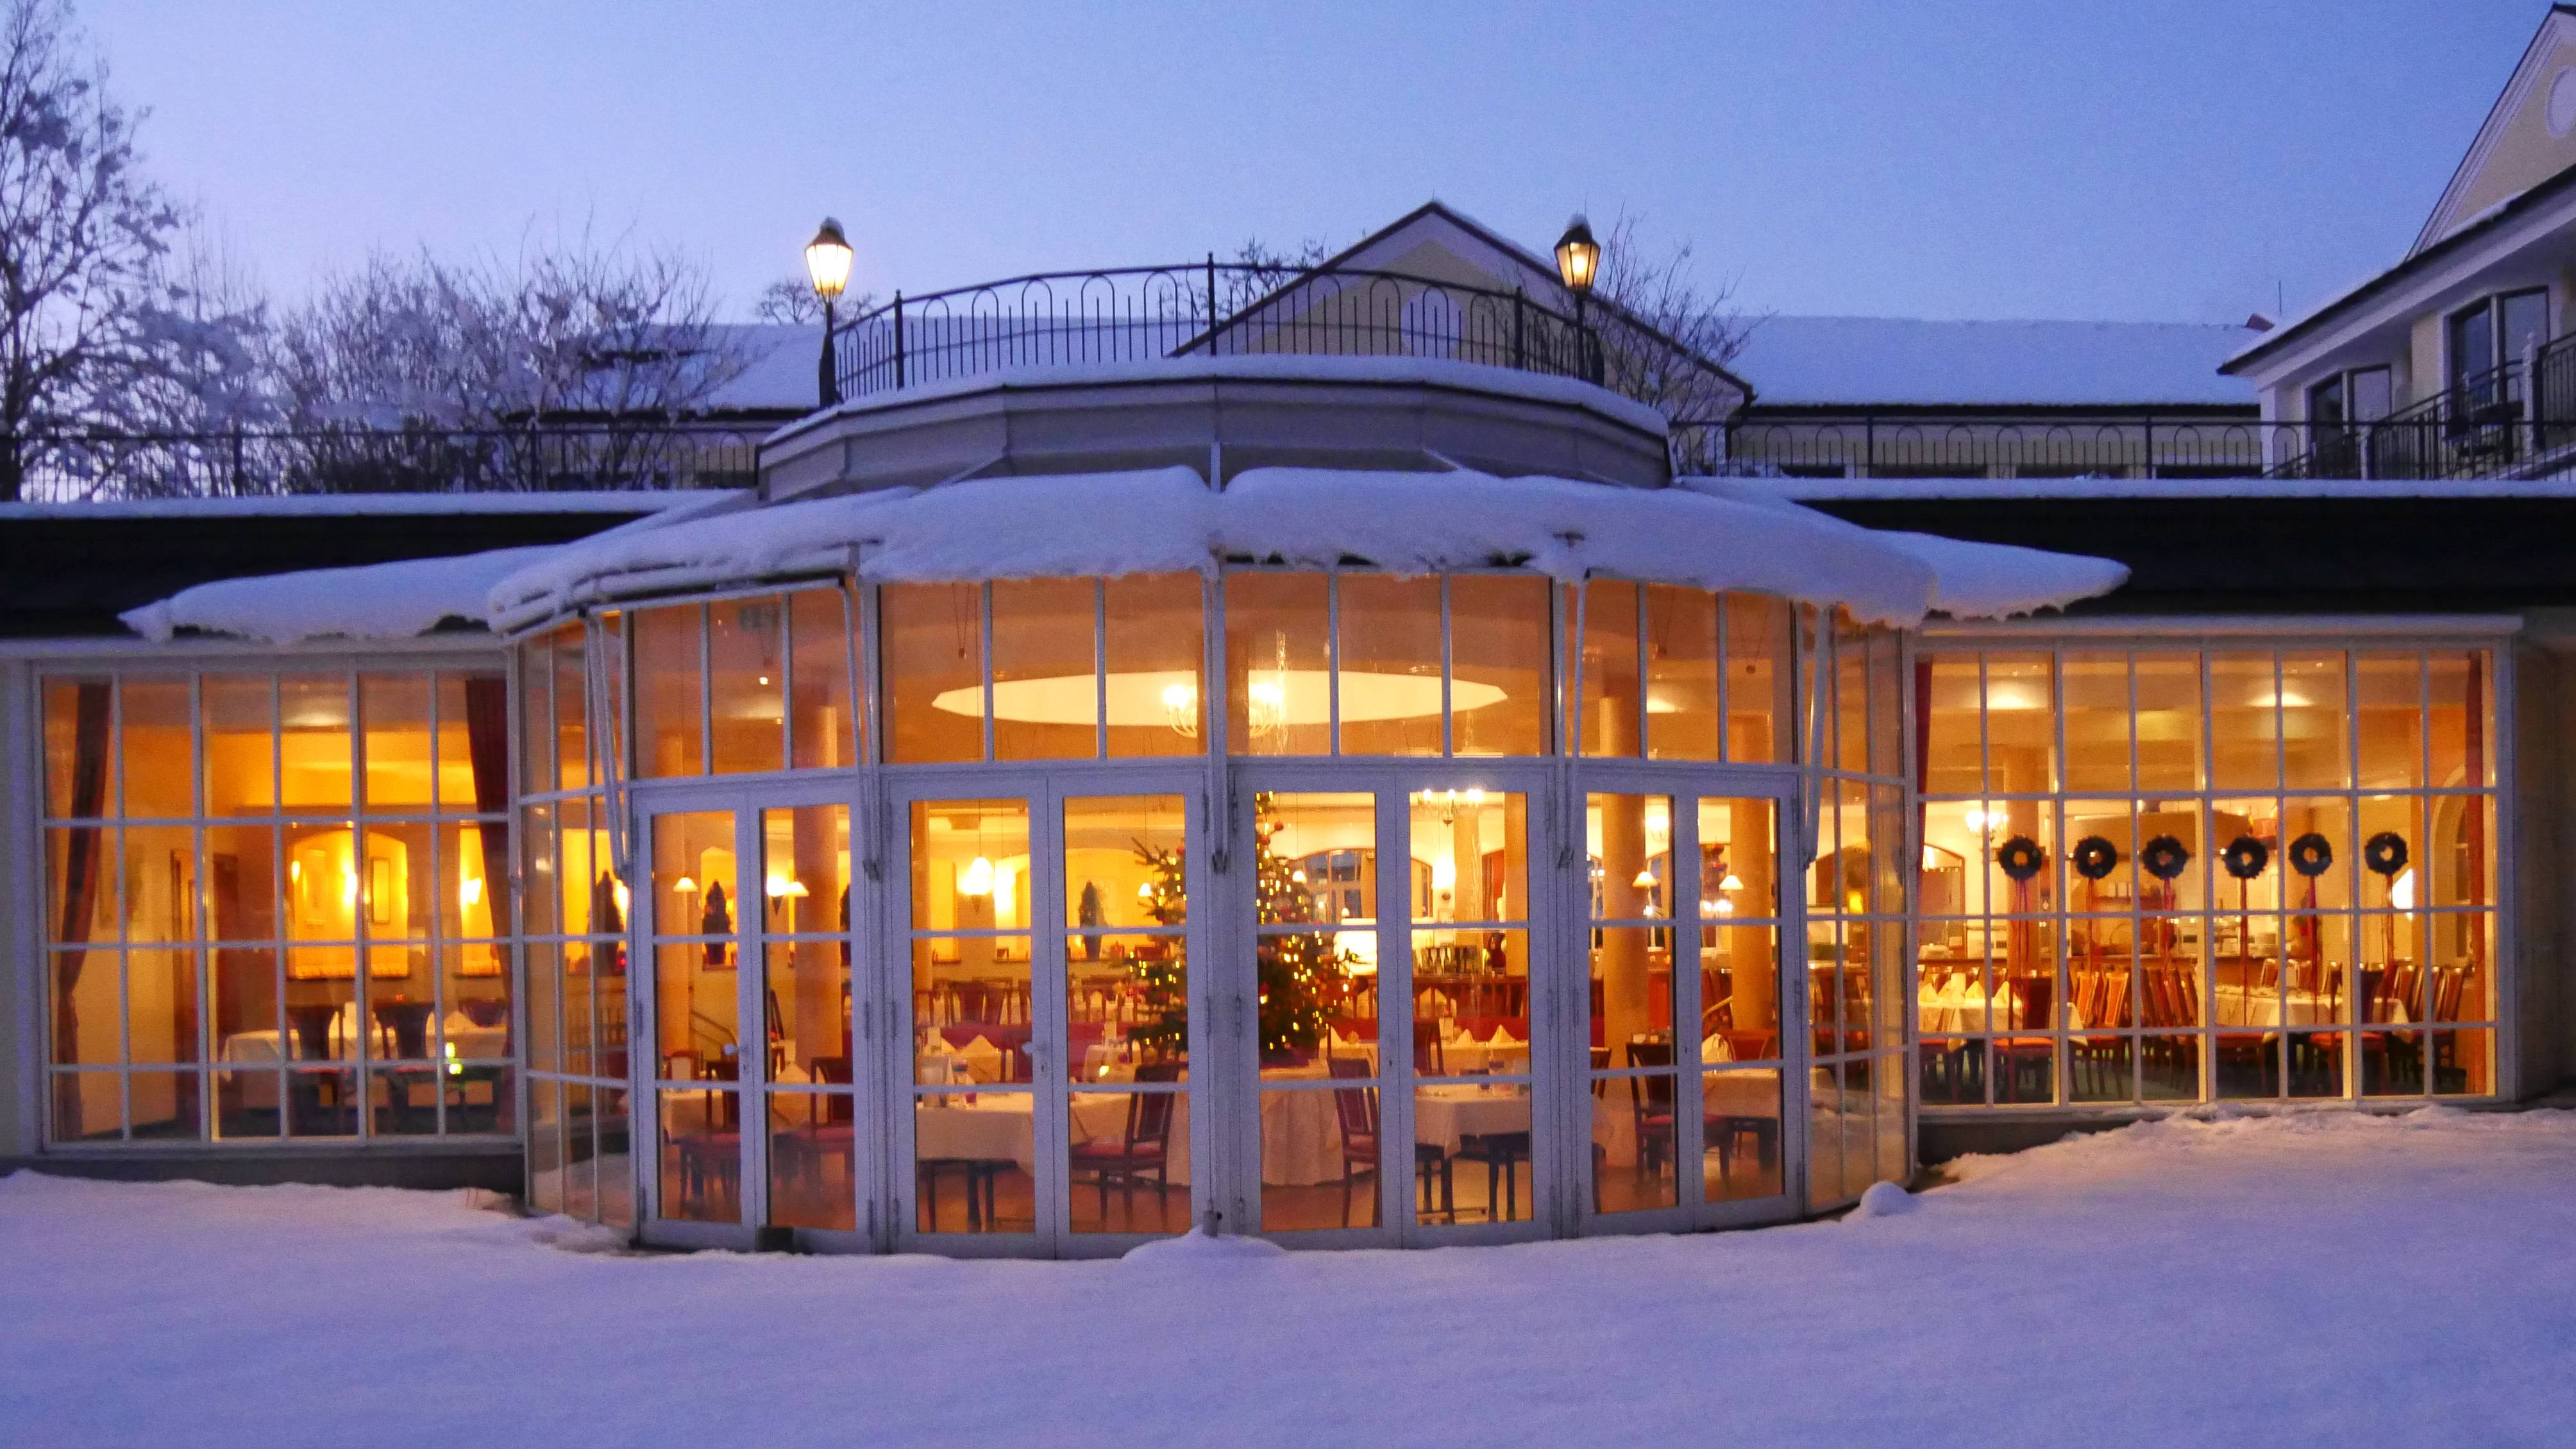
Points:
point(1578, 265)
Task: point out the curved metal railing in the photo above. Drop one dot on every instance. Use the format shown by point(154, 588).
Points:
point(1135, 314)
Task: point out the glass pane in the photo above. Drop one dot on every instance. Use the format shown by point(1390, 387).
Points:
point(1681, 673)
point(1758, 675)
point(313, 742)
point(474, 989)
point(701, 1155)
point(533, 665)
point(1321, 1159)
point(971, 1009)
point(806, 1000)
point(1126, 994)
point(394, 711)
point(2244, 722)
point(2462, 727)
point(1605, 658)
point(1046, 675)
point(669, 675)
point(973, 1156)
point(153, 717)
point(1277, 699)
point(248, 1027)
point(2169, 725)
point(2021, 724)
point(1740, 1132)
point(1389, 664)
point(747, 684)
point(1127, 1158)
point(1317, 953)
point(2097, 721)
point(2391, 709)
point(970, 865)
point(1472, 1144)
point(1156, 629)
point(932, 654)
point(813, 1161)
point(823, 712)
point(241, 756)
point(1498, 665)
point(161, 1024)
point(571, 745)
point(160, 882)
point(2463, 1063)
point(163, 1106)
point(696, 893)
point(1955, 757)
point(2316, 752)
point(1851, 698)
point(79, 760)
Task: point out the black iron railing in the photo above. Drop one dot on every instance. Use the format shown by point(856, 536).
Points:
point(530, 458)
point(1136, 314)
point(2002, 445)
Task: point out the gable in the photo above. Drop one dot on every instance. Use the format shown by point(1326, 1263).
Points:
point(2528, 137)
point(1435, 242)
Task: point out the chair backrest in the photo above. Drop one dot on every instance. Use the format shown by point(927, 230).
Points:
point(1149, 1114)
point(1353, 1110)
point(2451, 985)
point(1429, 1056)
point(1650, 1053)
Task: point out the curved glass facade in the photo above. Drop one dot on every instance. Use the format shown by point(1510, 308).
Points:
point(1032, 916)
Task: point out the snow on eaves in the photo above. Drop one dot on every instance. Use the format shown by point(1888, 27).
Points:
point(1168, 520)
point(370, 602)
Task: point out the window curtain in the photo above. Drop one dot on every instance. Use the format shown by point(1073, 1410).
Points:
point(82, 859)
point(487, 747)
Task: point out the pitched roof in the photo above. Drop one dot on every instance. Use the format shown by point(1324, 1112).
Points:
point(2528, 137)
point(1822, 361)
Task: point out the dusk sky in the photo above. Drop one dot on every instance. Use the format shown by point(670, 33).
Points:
point(2147, 159)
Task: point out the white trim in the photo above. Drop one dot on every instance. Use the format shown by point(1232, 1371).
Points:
point(2482, 627)
point(2518, 89)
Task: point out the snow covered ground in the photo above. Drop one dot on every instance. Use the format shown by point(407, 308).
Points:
point(2319, 1278)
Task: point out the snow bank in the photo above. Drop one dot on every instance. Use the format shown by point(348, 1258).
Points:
point(373, 602)
point(1883, 1200)
point(1197, 1248)
point(2310, 1278)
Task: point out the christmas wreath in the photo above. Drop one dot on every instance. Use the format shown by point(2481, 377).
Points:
point(2311, 855)
point(2385, 852)
point(2164, 857)
point(2095, 857)
point(2020, 857)
point(2245, 857)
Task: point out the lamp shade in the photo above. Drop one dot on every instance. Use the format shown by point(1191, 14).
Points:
point(827, 259)
point(1578, 257)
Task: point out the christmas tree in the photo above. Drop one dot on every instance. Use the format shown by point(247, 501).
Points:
point(1302, 974)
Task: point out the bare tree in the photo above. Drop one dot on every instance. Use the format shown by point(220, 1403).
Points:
point(82, 236)
point(790, 302)
point(573, 330)
point(1665, 337)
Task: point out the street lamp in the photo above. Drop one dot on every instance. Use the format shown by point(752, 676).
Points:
point(1578, 265)
point(827, 265)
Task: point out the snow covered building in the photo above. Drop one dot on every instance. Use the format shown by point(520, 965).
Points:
point(1286, 744)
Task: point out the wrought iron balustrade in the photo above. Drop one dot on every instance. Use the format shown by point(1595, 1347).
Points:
point(1210, 308)
point(75, 467)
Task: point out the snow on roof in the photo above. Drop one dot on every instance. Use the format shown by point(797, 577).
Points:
point(778, 368)
point(1168, 520)
point(1810, 361)
point(375, 601)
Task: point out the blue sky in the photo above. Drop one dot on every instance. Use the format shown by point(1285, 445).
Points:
point(2123, 159)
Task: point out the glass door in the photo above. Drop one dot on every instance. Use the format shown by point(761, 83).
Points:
point(1393, 1005)
point(748, 1003)
point(1684, 996)
point(1051, 1013)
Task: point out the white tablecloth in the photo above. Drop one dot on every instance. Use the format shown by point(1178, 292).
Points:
point(1955, 1007)
point(1000, 1126)
point(1444, 1114)
point(2263, 1007)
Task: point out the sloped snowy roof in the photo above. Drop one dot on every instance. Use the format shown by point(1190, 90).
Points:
point(1810, 361)
point(371, 602)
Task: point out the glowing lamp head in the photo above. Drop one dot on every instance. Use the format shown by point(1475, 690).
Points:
point(1645, 880)
point(1578, 257)
point(827, 260)
point(976, 879)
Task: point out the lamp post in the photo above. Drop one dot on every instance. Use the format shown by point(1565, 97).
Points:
point(827, 265)
point(1578, 263)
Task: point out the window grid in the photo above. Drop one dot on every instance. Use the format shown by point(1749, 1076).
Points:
point(2182, 1034)
point(211, 1083)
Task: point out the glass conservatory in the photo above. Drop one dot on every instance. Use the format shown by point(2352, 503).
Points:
point(1033, 915)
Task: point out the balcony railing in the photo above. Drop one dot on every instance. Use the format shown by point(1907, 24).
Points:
point(534, 458)
point(2002, 445)
point(1136, 314)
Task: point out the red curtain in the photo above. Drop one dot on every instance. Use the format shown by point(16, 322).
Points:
point(82, 858)
point(487, 746)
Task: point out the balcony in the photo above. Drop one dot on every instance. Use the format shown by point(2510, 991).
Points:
point(1202, 309)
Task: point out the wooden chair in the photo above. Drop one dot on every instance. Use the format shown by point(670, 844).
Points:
point(1144, 1150)
point(1650, 1105)
point(1355, 1113)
